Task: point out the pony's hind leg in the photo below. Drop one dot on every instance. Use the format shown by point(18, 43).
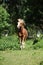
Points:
point(23, 43)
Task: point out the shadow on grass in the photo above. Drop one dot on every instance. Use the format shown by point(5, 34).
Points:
point(41, 63)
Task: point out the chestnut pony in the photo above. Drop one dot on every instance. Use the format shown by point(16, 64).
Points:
point(23, 34)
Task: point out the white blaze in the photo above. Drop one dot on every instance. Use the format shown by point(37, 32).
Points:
point(18, 25)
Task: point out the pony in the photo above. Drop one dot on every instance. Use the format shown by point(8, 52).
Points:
point(23, 33)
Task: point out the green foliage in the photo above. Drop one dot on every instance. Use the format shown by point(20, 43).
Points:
point(11, 30)
point(4, 18)
point(10, 42)
point(38, 45)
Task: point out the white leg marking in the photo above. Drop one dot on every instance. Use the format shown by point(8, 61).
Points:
point(23, 44)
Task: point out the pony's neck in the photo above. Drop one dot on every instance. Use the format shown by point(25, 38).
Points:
point(22, 28)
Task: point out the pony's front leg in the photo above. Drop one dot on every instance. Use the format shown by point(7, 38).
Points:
point(20, 43)
point(23, 44)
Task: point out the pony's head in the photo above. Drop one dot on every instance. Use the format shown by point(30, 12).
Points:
point(20, 23)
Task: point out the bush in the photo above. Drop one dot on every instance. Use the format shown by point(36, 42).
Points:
point(38, 44)
point(10, 42)
point(4, 19)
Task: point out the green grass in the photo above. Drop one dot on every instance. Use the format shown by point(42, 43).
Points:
point(21, 57)
point(12, 42)
point(10, 53)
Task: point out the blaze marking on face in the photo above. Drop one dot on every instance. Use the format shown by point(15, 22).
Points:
point(20, 21)
point(18, 25)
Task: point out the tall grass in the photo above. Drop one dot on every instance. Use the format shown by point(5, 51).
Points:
point(12, 43)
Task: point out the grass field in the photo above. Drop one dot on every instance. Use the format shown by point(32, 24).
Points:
point(21, 57)
point(10, 54)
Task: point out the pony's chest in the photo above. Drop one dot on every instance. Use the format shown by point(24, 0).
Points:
point(20, 33)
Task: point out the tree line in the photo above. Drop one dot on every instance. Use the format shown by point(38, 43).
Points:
point(29, 10)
